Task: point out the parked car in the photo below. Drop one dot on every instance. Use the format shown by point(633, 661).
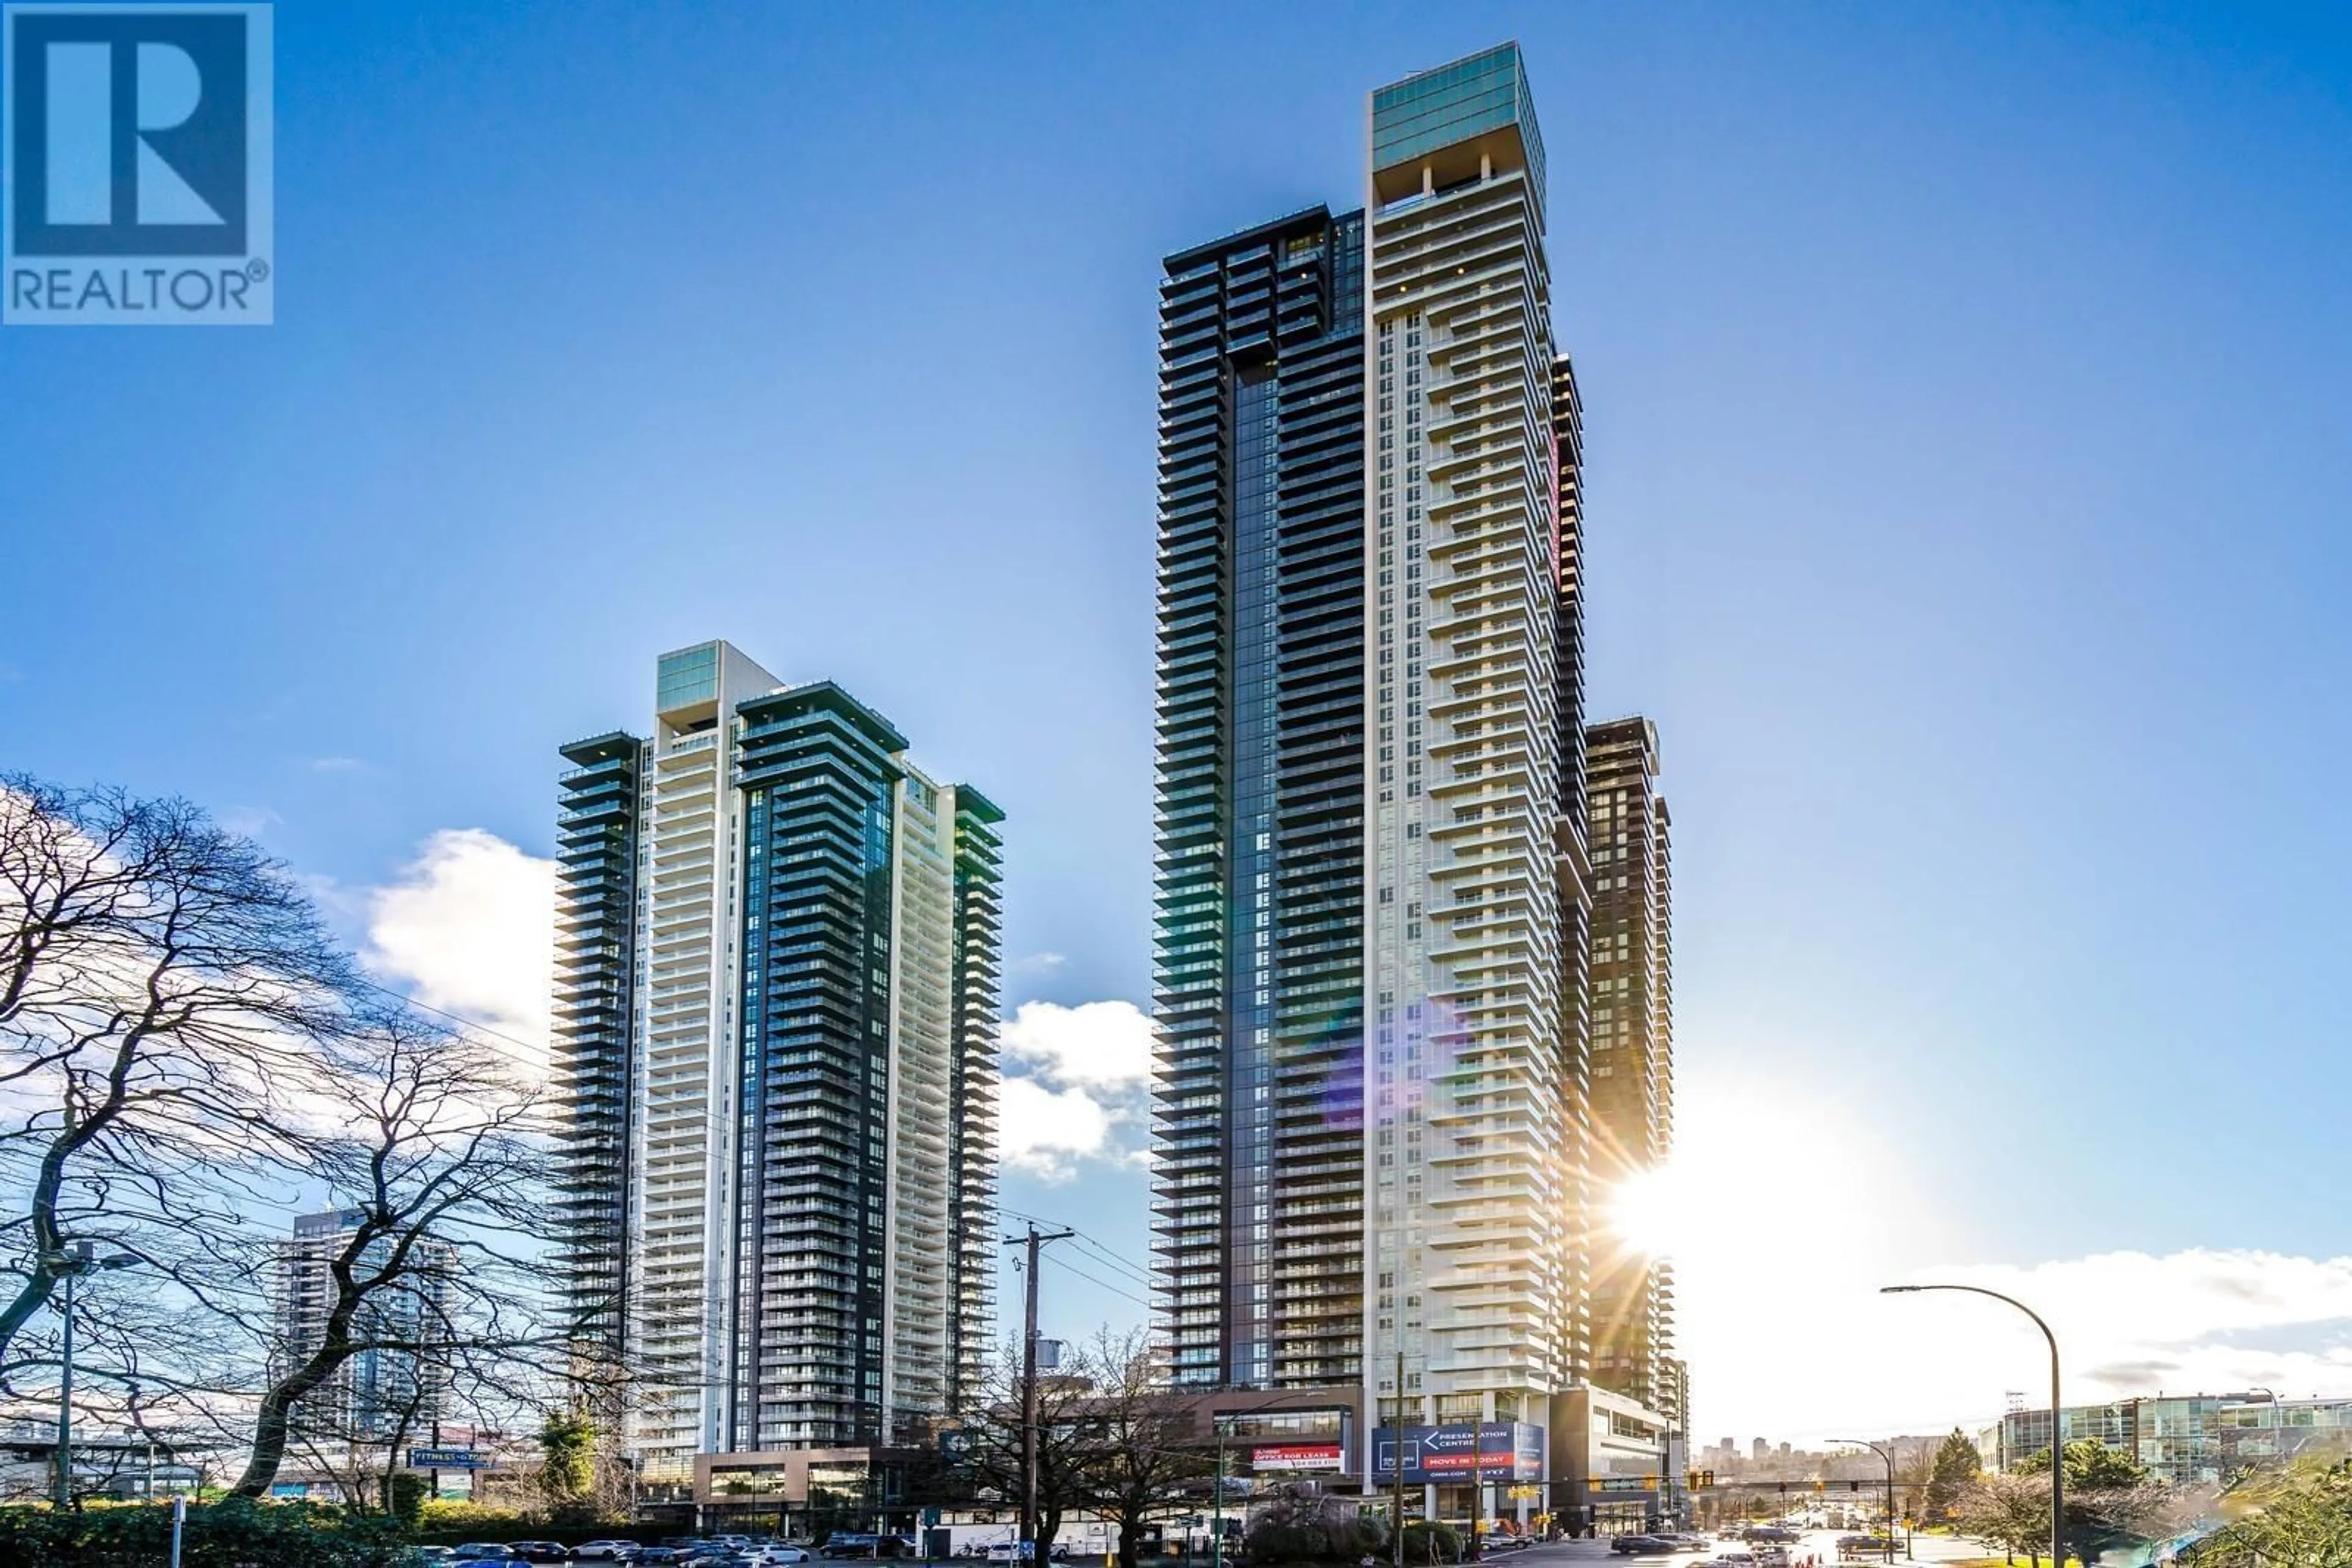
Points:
point(485, 1551)
point(1735, 1560)
point(608, 1550)
point(1641, 1546)
point(781, 1556)
point(428, 1557)
point(541, 1550)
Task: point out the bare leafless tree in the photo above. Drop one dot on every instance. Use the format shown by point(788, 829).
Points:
point(1062, 1439)
point(2011, 1512)
point(186, 1058)
point(1140, 1451)
point(166, 992)
point(438, 1153)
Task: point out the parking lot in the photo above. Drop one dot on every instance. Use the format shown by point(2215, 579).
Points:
point(1821, 1545)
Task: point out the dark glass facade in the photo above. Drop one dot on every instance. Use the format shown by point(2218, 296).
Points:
point(976, 1006)
point(596, 856)
point(1259, 872)
point(1576, 892)
point(1631, 1292)
point(818, 773)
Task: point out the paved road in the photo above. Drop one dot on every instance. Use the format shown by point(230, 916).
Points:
point(1822, 1543)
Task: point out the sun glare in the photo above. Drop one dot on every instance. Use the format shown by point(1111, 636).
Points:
point(1645, 1211)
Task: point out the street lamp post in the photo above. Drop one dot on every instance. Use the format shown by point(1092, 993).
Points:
point(1887, 1454)
point(2057, 1410)
point(68, 1263)
point(1217, 1419)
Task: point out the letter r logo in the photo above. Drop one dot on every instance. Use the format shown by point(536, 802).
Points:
point(127, 130)
point(81, 134)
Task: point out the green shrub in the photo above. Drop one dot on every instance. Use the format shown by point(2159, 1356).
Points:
point(407, 1497)
point(1309, 1534)
point(234, 1534)
point(1425, 1543)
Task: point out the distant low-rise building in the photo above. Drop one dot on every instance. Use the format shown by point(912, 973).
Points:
point(108, 1462)
point(1617, 1459)
point(2186, 1437)
point(2266, 1431)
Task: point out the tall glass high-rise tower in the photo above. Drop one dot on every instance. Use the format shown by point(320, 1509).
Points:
point(1633, 1050)
point(777, 958)
point(1372, 885)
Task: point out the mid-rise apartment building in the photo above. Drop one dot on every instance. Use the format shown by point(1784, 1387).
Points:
point(1372, 883)
point(775, 1048)
point(1633, 1101)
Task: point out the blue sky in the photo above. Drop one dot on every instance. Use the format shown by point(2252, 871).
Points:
point(1965, 396)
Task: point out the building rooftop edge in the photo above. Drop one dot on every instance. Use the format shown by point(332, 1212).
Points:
point(1177, 261)
point(588, 749)
point(837, 697)
point(1508, 46)
point(967, 798)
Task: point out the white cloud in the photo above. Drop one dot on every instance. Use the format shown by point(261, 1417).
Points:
point(1045, 1131)
point(1789, 1204)
point(249, 821)
point(1098, 1045)
point(1813, 1348)
point(1073, 1076)
point(1041, 963)
point(338, 765)
point(469, 929)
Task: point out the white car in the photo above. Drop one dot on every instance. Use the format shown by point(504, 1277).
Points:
point(778, 1556)
point(609, 1550)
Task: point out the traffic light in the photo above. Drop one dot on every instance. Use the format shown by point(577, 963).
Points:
point(1820, 1486)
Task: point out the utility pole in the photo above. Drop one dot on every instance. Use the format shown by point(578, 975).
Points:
point(1396, 1445)
point(1217, 1500)
point(1034, 1241)
point(1477, 1481)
